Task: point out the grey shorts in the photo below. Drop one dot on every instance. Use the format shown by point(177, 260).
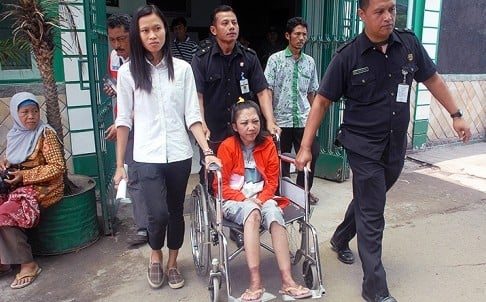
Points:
point(238, 211)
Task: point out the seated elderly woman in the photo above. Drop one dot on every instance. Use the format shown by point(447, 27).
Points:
point(33, 178)
point(250, 171)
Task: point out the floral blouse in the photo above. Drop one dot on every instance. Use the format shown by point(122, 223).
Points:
point(44, 170)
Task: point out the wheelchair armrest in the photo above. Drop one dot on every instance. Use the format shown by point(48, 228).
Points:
point(288, 158)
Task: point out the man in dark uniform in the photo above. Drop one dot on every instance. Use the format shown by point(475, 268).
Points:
point(373, 73)
point(225, 71)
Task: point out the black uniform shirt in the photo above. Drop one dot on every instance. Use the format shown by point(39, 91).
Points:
point(368, 80)
point(218, 80)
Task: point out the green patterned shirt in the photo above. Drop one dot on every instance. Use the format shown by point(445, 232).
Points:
point(291, 81)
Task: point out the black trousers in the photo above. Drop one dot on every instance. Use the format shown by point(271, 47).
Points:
point(164, 189)
point(364, 216)
point(293, 137)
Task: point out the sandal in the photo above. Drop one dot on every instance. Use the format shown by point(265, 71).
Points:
point(313, 199)
point(296, 292)
point(255, 295)
point(155, 275)
point(33, 275)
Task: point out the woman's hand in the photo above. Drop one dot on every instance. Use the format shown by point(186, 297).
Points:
point(120, 174)
point(15, 178)
point(211, 159)
point(4, 164)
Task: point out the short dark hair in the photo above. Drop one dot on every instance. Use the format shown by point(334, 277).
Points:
point(363, 4)
point(218, 9)
point(293, 22)
point(117, 20)
point(178, 21)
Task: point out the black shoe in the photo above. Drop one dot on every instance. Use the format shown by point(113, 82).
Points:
point(137, 239)
point(237, 238)
point(344, 253)
point(378, 298)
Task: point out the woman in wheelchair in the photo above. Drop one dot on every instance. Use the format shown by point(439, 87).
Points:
point(250, 173)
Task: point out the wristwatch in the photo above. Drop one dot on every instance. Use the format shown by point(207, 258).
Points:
point(458, 113)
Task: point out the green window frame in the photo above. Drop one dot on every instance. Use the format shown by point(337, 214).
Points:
point(24, 71)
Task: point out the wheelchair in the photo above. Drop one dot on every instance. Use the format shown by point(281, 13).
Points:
point(207, 231)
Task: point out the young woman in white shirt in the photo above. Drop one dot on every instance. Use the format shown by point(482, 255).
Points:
point(160, 91)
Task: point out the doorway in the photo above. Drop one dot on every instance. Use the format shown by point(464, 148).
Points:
point(257, 16)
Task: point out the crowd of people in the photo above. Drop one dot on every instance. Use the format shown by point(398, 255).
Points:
point(231, 99)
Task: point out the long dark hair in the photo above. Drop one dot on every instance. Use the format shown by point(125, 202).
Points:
point(246, 104)
point(139, 67)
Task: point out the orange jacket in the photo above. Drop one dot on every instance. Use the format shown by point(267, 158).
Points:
point(266, 160)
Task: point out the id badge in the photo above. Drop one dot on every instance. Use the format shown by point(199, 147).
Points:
point(402, 93)
point(244, 86)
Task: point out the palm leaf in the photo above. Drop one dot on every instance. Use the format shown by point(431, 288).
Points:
point(39, 23)
point(11, 50)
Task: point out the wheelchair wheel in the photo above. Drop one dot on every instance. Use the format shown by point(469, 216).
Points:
point(309, 271)
point(200, 240)
point(214, 287)
point(294, 234)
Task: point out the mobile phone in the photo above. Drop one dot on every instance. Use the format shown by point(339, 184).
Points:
point(109, 81)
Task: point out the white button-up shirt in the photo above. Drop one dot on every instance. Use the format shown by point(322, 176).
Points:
point(160, 117)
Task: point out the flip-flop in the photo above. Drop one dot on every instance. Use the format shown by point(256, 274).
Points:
point(296, 292)
point(256, 294)
point(20, 276)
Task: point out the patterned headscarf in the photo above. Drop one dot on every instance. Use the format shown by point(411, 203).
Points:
point(21, 141)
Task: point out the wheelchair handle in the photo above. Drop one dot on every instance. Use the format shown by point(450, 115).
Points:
point(290, 158)
point(214, 167)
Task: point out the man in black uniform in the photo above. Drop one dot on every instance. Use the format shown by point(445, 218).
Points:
point(225, 71)
point(373, 73)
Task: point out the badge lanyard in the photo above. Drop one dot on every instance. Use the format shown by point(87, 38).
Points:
point(403, 88)
point(244, 85)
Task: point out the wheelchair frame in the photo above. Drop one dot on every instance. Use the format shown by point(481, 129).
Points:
point(207, 225)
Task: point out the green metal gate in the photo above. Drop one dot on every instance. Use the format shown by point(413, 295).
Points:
point(101, 106)
point(332, 22)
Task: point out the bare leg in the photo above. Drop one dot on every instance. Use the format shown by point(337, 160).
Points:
point(251, 235)
point(156, 256)
point(172, 262)
point(280, 244)
point(281, 247)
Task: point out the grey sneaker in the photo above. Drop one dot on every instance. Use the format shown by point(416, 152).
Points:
point(175, 278)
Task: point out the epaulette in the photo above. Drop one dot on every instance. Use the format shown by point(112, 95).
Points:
point(405, 30)
point(346, 44)
point(247, 48)
point(203, 51)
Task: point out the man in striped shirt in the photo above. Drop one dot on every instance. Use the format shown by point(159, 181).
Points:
point(183, 47)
